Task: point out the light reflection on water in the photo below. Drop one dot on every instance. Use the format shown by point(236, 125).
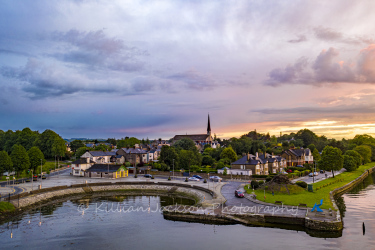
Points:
point(76, 224)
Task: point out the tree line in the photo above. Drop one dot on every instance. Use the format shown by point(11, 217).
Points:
point(27, 149)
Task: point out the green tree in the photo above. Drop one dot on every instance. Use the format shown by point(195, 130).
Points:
point(349, 163)
point(225, 171)
point(101, 147)
point(363, 139)
point(316, 155)
point(207, 160)
point(307, 136)
point(311, 147)
point(35, 154)
point(285, 145)
point(20, 158)
point(128, 142)
point(185, 143)
point(229, 153)
point(365, 152)
point(27, 138)
point(51, 144)
point(331, 159)
point(76, 144)
point(6, 163)
point(168, 155)
point(186, 159)
point(81, 151)
point(357, 157)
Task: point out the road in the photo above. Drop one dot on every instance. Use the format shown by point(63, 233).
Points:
point(318, 178)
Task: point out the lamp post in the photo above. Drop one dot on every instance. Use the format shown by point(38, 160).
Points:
point(208, 180)
point(41, 172)
point(32, 179)
point(173, 169)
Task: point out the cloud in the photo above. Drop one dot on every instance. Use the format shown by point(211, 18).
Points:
point(193, 79)
point(330, 35)
point(327, 68)
point(95, 49)
point(300, 39)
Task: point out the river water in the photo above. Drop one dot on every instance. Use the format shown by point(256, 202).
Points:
point(113, 223)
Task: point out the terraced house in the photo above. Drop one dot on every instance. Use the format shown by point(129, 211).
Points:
point(298, 156)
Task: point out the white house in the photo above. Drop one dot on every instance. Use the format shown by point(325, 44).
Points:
point(99, 156)
point(80, 166)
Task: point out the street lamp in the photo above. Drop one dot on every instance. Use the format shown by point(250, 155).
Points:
point(173, 169)
point(41, 172)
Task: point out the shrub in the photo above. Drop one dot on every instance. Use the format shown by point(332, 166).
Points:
point(269, 178)
point(205, 181)
point(302, 184)
point(254, 184)
point(186, 180)
point(169, 178)
point(261, 183)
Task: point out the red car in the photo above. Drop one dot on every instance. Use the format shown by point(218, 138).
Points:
point(239, 194)
point(289, 171)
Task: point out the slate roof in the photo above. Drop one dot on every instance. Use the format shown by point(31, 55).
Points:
point(244, 161)
point(103, 168)
point(200, 137)
point(134, 151)
point(101, 153)
point(82, 161)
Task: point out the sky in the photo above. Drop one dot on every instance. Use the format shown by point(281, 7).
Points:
point(151, 69)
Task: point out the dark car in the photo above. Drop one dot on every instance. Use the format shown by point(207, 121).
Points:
point(322, 171)
point(239, 194)
point(147, 176)
point(197, 176)
point(299, 166)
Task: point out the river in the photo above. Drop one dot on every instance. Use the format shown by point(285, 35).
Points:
point(113, 223)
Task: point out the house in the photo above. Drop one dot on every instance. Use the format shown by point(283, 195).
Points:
point(298, 156)
point(81, 165)
point(107, 171)
point(133, 155)
point(99, 156)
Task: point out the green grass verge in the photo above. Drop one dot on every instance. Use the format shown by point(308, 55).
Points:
point(6, 207)
point(310, 198)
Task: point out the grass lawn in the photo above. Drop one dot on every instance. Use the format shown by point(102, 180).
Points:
point(310, 198)
point(6, 207)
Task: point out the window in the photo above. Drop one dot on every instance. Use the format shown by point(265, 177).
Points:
point(77, 171)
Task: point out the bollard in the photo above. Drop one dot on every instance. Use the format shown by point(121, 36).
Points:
point(9, 198)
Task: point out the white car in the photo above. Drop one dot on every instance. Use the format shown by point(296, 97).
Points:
point(215, 178)
point(193, 179)
point(315, 173)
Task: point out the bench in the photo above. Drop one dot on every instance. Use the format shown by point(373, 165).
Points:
point(279, 202)
point(302, 205)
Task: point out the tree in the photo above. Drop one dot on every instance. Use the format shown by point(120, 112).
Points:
point(311, 147)
point(27, 138)
point(185, 143)
point(365, 152)
point(357, 157)
point(349, 163)
point(168, 155)
point(229, 153)
point(6, 163)
point(20, 158)
point(316, 155)
point(363, 139)
point(307, 136)
point(207, 160)
point(128, 142)
point(81, 151)
point(101, 147)
point(331, 159)
point(285, 145)
point(186, 159)
point(35, 154)
point(50, 144)
point(225, 171)
point(76, 144)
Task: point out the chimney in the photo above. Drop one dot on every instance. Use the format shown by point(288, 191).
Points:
point(272, 155)
point(248, 156)
point(256, 155)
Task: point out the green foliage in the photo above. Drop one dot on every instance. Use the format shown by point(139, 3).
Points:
point(167, 155)
point(127, 164)
point(207, 160)
point(365, 152)
point(6, 207)
point(76, 144)
point(332, 159)
point(311, 147)
point(302, 184)
point(27, 138)
point(225, 171)
point(254, 184)
point(261, 183)
point(363, 139)
point(20, 158)
point(186, 144)
point(356, 156)
point(316, 155)
point(350, 163)
point(194, 168)
point(128, 142)
point(101, 147)
point(35, 155)
point(307, 136)
point(51, 144)
point(269, 178)
point(229, 153)
point(6, 163)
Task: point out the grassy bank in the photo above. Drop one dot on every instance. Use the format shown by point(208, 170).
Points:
point(310, 198)
point(6, 207)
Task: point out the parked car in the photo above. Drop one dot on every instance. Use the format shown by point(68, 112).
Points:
point(289, 171)
point(193, 179)
point(315, 173)
point(322, 171)
point(147, 176)
point(300, 166)
point(215, 178)
point(239, 194)
point(197, 176)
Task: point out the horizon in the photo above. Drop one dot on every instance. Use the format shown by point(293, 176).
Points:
point(156, 69)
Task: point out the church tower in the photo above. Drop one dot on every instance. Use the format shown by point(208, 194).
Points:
point(209, 129)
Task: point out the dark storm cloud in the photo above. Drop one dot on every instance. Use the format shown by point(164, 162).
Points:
point(327, 69)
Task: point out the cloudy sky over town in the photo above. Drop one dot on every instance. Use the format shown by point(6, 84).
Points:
point(157, 68)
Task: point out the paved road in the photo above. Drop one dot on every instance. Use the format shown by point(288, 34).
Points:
point(319, 177)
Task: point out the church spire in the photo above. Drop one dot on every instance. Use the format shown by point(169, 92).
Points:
point(208, 126)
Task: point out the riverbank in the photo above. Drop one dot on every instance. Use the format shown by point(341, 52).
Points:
point(322, 190)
